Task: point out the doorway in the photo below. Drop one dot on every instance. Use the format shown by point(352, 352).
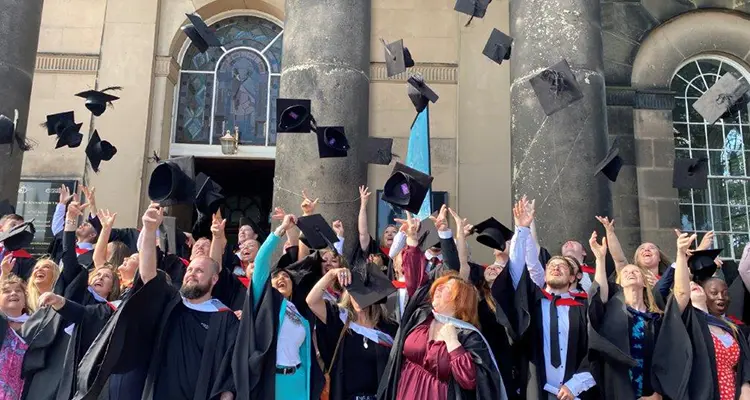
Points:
point(247, 187)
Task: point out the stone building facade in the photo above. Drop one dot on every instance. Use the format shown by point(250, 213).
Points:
point(175, 101)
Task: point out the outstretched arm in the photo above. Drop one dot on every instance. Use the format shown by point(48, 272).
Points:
point(615, 250)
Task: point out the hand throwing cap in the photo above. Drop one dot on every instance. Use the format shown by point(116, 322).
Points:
point(690, 173)
point(99, 150)
point(98, 100)
point(397, 57)
point(493, 234)
point(702, 264)
point(369, 285)
point(406, 188)
point(556, 87)
point(611, 164)
point(498, 46)
point(293, 115)
point(332, 141)
point(318, 234)
point(200, 34)
point(19, 237)
point(720, 98)
point(419, 93)
point(172, 182)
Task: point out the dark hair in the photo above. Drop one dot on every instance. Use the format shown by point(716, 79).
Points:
point(120, 251)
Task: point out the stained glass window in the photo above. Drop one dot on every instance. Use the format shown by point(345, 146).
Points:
point(235, 85)
point(723, 206)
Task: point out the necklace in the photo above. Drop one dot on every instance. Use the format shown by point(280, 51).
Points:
point(364, 342)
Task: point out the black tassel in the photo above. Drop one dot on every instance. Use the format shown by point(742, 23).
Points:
point(724, 99)
point(556, 81)
point(111, 88)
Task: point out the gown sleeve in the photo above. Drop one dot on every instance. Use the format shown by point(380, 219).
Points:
point(327, 334)
point(462, 368)
point(262, 270)
point(413, 265)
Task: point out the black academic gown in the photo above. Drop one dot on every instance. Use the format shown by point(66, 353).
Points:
point(488, 380)
point(135, 338)
point(372, 248)
point(527, 302)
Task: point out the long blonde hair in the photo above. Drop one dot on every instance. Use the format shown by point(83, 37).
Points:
point(375, 313)
point(648, 294)
point(32, 291)
point(114, 294)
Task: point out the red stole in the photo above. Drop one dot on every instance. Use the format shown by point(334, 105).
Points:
point(735, 320)
point(399, 284)
point(244, 280)
point(80, 251)
point(385, 250)
point(562, 301)
point(20, 253)
point(587, 269)
point(580, 295)
point(184, 261)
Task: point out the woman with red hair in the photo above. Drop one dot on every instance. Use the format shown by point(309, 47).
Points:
point(438, 352)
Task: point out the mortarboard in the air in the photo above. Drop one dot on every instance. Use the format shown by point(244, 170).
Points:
point(369, 285)
point(498, 46)
point(208, 198)
point(9, 133)
point(419, 93)
point(717, 100)
point(200, 35)
point(6, 208)
point(65, 127)
point(406, 188)
point(473, 8)
point(611, 164)
point(19, 237)
point(556, 87)
point(98, 100)
point(318, 233)
point(293, 115)
point(428, 234)
point(397, 57)
point(702, 264)
point(690, 173)
point(99, 150)
point(379, 151)
point(493, 234)
point(172, 182)
point(331, 141)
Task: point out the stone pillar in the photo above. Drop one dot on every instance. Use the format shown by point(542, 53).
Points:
point(554, 157)
point(326, 60)
point(19, 36)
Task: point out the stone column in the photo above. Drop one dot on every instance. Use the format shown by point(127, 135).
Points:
point(554, 157)
point(327, 60)
point(19, 36)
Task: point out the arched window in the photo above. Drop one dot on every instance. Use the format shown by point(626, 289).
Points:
point(723, 206)
point(236, 85)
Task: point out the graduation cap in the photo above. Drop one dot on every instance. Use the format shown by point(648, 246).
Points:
point(419, 93)
point(474, 8)
point(406, 188)
point(19, 237)
point(428, 234)
point(98, 100)
point(65, 127)
point(611, 164)
point(556, 87)
point(9, 133)
point(293, 115)
point(318, 233)
point(717, 100)
point(397, 57)
point(378, 151)
point(99, 150)
point(369, 285)
point(493, 234)
point(702, 264)
point(498, 46)
point(332, 141)
point(209, 197)
point(6, 208)
point(199, 33)
point(172, 182)
point(690, 173)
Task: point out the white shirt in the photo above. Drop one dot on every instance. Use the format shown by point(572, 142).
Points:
point(291, 338)
point(402, 297)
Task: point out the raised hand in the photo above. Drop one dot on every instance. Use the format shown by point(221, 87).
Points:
point(441, 221)
point(521, 217)
point(683, 242)
point(308, 205)
point(50, 299)
point(75, 209)
point(468, 229)
point(460, 223)
point(6, 267)
point(343, 275)
point(218, 226)
point(278, 214)
point(90, 193)
point(609, 224)
point(338, 227)
point(364, 196)
point(65, 195)
point(106, 218)
point(153, 217)
point(707, 241)
point(412, 226)
point(530, 206)
point(599, 249)
point(288, 222)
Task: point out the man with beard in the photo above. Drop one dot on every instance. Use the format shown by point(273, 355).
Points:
point(552, 326)
point(182, 337)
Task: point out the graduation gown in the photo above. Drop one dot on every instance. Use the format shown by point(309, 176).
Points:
point(372, 248)
point(526, 305)
point(134, 337)
point(488, 381)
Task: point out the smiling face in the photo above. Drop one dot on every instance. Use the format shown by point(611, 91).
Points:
point(491, 272)
point(647, 255)
point(44, 275)
point(248, 250)
point(102, 281)
point(128, 267)
point(86, 233)
point(201, 248)
point(12, 297)
point(330, 261)
point(200, 277)
point(632, 276)
point(717, 296)
point(283, 283)
point(388, 235)
point(246, 233)
point(559, 274)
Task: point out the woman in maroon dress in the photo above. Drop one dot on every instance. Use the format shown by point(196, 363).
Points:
point(438, 352)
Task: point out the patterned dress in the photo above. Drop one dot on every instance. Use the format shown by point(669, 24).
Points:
point(11, 358)
point(727, 358)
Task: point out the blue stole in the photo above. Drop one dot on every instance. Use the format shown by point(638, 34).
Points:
point(305, 350)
